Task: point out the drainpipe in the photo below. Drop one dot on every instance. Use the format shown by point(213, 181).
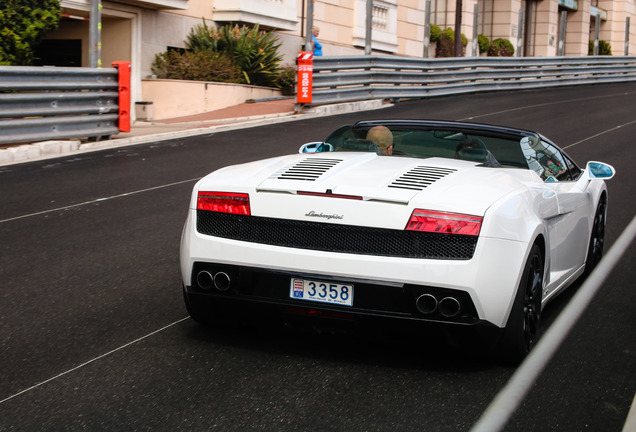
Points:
point(458, 28)
point(627, 36)
point(368, 28)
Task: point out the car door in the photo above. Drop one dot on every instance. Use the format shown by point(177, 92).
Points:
point(569, 228)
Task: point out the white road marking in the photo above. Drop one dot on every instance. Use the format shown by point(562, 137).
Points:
point(33, 387)
point(545, 104)
point(599, 134)
point(556, 103)
point(98, 200)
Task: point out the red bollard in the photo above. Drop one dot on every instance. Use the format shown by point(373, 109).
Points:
point(124, 94)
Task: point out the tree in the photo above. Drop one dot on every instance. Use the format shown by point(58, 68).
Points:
point(23, 25)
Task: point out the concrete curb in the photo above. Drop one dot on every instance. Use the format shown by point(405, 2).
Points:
point(53, 149)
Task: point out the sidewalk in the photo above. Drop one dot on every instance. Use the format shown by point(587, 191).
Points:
point(242, 113)
point(236, 117)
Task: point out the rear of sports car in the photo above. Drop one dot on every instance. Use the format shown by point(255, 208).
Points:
point(355, 236)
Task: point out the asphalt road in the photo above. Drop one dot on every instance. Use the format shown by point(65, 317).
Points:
point(94, 334)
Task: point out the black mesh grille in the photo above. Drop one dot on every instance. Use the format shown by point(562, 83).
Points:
point(336, 238)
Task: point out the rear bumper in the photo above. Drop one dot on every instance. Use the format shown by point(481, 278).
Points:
point(247, 287)
point(384, 286)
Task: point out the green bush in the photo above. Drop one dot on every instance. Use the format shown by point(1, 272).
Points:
point(255, 52)
point(484, 43)
point(604, 48)
point(501, 48)
point(197, 66)
point(23, 25)
point(446, 45)
point(286, 80)
point(436, 33)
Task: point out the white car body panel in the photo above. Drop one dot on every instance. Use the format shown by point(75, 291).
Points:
point(470, 190)
point(517, 206)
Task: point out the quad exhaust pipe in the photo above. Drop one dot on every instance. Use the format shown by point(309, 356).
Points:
point(448, 307)
point(221, 280)
point(426, 303)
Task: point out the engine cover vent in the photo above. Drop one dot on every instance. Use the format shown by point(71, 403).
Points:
point(308, 169)
point(420, 177)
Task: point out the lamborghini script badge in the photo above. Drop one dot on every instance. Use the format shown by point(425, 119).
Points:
point(324, 216)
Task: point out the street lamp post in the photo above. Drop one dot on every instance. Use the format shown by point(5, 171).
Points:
point(95, 34)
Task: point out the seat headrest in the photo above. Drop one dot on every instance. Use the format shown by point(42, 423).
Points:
point(358, 144)
point(473, 154)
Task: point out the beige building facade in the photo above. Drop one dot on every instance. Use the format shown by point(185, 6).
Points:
point(137, 30)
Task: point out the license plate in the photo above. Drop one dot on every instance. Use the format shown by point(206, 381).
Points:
point(320, 291)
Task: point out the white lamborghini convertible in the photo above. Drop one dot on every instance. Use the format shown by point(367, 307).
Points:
point(459, 224)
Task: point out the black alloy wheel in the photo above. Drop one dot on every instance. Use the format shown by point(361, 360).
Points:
point(597, 237)
point(532, 300)
point(522, 330)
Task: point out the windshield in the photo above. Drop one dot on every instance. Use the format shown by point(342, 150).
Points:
point(486, 147)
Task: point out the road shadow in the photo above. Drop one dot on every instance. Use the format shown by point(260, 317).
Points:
point(432, 348)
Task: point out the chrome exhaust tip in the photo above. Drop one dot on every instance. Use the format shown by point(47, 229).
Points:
point(449, 307)
point(426, 304)
point(222, 281)
point(205, 280)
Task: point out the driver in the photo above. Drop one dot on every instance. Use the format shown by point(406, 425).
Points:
point(382, 137)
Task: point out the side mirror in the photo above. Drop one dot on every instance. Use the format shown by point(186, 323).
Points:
point(309, 147)
point(315, 147)
point(595, 170)
point(600, 170)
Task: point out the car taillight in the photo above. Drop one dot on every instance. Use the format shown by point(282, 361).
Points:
point(224, 202)
point(445, 223)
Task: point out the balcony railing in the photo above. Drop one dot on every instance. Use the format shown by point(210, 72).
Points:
point(279, 14)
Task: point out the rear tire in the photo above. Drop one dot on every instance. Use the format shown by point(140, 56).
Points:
point(597, 237)
point(522, 330)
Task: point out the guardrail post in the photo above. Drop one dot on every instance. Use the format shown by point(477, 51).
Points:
point(123, 68)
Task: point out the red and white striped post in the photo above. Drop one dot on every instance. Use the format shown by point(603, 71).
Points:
point(305, 76)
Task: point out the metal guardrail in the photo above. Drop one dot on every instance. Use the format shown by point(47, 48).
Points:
point(346, 79)
point(45, 103)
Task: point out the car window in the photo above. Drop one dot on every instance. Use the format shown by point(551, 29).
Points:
point(545, 159)
point(489, 148)
point(574, 170)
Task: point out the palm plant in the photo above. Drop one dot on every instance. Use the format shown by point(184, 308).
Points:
point(254, 52)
